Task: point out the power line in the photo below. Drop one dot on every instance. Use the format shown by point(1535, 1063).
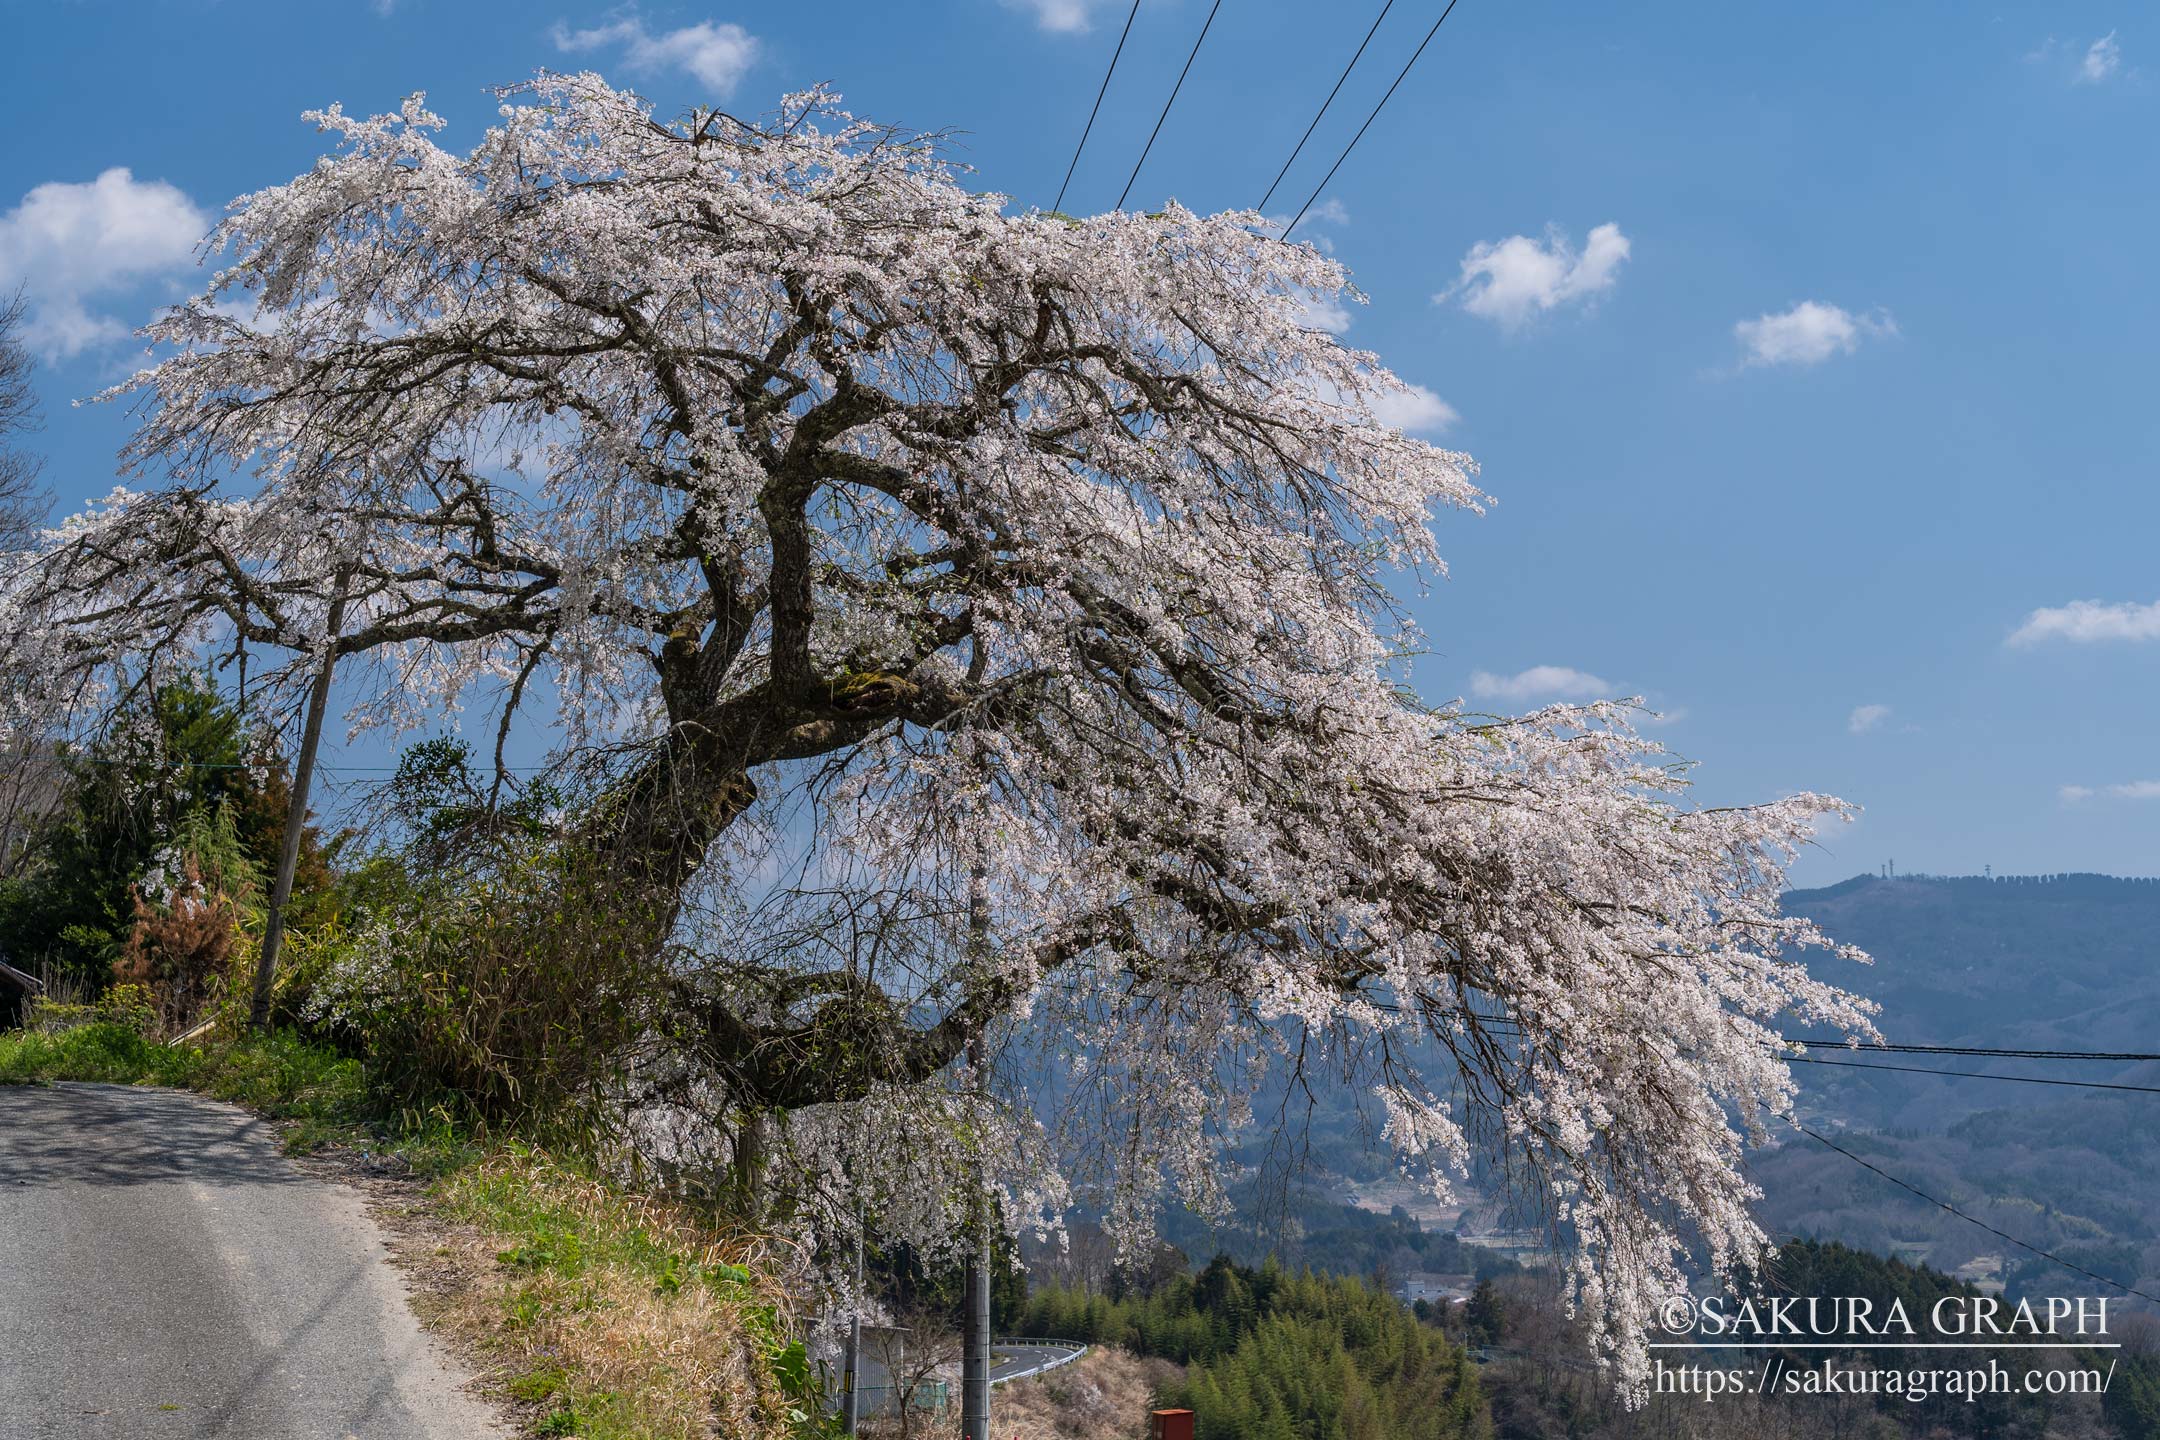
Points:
point(1368, 121)
point(1981, 1050)
point(1999, 1234)
point(1513, 1023)
point(1090, 126)
point(1883, 1047)
point(1324, 106)
point(1975, 1051)
point(1167, 104)
point(1506, 1023)
point(1973, 1074)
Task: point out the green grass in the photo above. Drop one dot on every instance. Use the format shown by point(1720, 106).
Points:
point(538, 1385)
point(567, 1221)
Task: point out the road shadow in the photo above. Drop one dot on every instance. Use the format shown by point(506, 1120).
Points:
point(75, 1134)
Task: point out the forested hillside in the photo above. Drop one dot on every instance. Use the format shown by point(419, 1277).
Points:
point(1272, 1355)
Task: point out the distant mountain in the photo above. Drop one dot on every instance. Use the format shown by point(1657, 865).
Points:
point(2024, 962)
point(2066, 962)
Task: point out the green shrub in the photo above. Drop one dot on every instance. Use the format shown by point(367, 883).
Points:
point(57, 1017)
point(510, 999)
point(88, 1048)
point(1276, 1356)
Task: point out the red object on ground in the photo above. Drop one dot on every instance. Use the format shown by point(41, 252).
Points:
point(1170, 1425)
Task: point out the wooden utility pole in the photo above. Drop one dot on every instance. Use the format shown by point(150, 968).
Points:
point(296, 813)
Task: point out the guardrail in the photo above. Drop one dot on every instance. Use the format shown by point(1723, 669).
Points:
point(1074, 1350)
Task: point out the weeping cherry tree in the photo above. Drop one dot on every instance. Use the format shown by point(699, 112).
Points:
point(1046, 569)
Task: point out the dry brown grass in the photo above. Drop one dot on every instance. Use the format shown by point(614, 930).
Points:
point(1104, 1395)
point(593, 1312)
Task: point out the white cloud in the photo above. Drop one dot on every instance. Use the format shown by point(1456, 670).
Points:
point(1413, 408)
point(2080, 63)
point(1324, 313)
point(68, 244)
point(1808, 334)
point(1513, 280)
point(1539, 682)
point(2130, 790)
point(1866, 717)
point(1062, 17)
point(2103, 58)
point(1330, 211)
point(2087, 622)
point(718, 55)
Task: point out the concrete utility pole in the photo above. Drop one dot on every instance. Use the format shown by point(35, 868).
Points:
point(975, 1361)
point(975, 1356)
point(975, 1366)
point(851, 1405)
point(296, 813)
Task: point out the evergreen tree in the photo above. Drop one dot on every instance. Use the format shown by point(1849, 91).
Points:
point(1284, 1356)
point(1486, 1317)
point(175, 764)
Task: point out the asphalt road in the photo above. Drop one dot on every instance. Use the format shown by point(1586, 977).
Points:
point(166, 1274)
point(1013, 1361)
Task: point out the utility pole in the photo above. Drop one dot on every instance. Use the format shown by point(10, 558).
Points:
point(975, 1333)
point(975, 1360)
point(296, 812)
point(851, 1404)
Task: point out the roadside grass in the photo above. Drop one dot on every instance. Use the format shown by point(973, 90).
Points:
point(599, 1312)
point(623, 1315)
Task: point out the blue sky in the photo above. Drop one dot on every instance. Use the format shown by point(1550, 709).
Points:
point(1808, 352)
